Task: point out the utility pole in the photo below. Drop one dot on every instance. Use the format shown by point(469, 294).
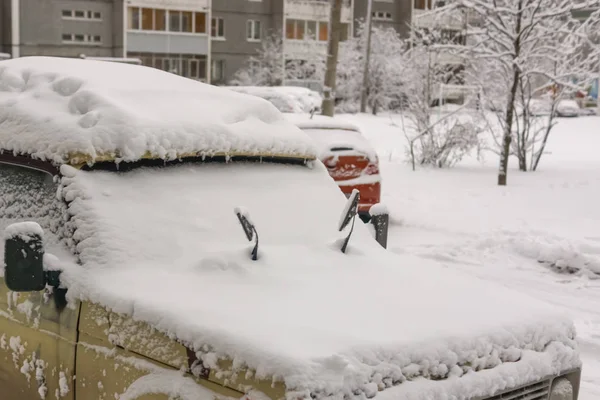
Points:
point(365, 80)
point(335, 26)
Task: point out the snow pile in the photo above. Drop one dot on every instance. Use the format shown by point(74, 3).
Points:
point(323, 322)
point(59, 108)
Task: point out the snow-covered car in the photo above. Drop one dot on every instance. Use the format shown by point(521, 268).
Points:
point(588, 111)
point(311, 100)
point(349, 157)
point(540, 107)
point(568, 108)
point(284, 102)
point(128, 196)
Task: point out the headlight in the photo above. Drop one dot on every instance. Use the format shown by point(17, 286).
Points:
point(561, 390)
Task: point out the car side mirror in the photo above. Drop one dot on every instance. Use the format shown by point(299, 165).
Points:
point(24, 257)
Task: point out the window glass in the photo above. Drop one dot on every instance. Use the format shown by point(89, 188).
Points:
point(290, 29)
point(30, 195)
point(160, 20)
point(323, 31)
point(186, 21)
point(300, 29)
point(200, 23)
point(174, 21)
point(147, 19)
point(311, 30)
point(133, 18)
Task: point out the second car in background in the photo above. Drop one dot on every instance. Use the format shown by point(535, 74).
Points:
point(348, 156)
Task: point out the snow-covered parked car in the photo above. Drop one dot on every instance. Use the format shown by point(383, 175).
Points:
point(568, 108)
point(349, 157)
point(127, 196)
point(311, 100)
point(284, 102)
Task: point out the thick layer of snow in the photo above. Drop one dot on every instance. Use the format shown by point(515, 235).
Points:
point(23, 229)
point(284, 102)
point(320, 122)
point(320, 320)
point(460, 218)
point(56, 107)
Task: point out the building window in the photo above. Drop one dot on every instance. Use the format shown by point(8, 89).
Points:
point(80, 14)
point(187, 21)
point(175, 21)
point(344, 32)
point(290, 29)
point(200, 26)
point(81, 38)
point(147, 19)
point(423, 4)
point(296, 29)
point(217, 28)
point(217, 71)
point(253, 30)
point(159, 20)
point(187, 65)
point(133, 18)
point(382, 16)
point(323, 31)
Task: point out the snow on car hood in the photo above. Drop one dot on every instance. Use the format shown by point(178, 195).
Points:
point(164, 246)
point(55, 108)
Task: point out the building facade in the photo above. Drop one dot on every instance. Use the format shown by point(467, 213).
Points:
point(207, 40)
point(63, 28)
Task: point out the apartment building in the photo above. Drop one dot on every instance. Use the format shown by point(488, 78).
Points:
point(66, 28)
point(395, 14)
point(172, 35)
point(208, 40)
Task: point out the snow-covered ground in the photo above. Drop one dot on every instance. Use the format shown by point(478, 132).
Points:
point(461, 218)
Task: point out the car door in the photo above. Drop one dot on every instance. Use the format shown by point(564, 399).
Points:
point(38, 330)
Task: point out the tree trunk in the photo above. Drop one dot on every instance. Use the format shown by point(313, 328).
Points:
point(523, 161)
point(365, 81)
point(507, 137)
point(328, 105)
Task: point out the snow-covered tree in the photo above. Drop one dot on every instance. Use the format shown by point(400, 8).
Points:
point(516, 46)
point(270, 66)
point(266, 68)
point(385, 66)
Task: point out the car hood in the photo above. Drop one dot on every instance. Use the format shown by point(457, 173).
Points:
point(164, 246)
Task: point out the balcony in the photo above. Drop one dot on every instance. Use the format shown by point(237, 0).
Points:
point(315, 10)
point(303, 48)
point(430, 19)
point(448, 59)
point(190, 5)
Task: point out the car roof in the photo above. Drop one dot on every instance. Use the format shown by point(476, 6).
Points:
point(73, 111)
point(305, 121)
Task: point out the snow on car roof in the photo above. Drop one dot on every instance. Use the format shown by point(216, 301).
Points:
point(320, 122)
point(75, 110)
point(324, 322)
point(330, 133)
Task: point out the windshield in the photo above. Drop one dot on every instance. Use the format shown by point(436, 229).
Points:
point(178, 215)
